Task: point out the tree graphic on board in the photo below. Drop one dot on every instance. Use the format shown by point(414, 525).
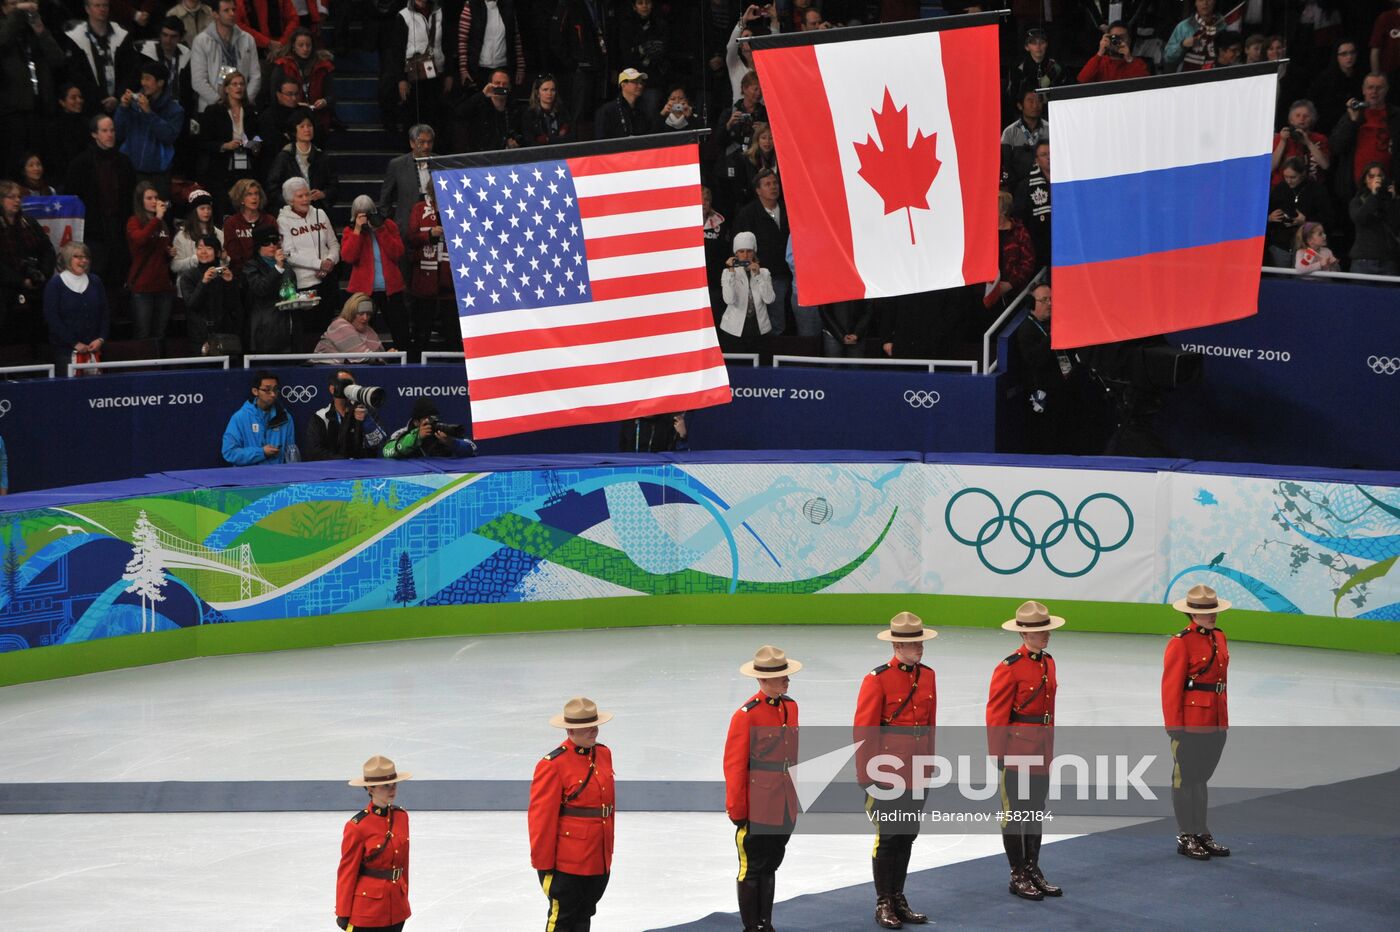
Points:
point(146, 569)
point(14, 553)
point(405, 591)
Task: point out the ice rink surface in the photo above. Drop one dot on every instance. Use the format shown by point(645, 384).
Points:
point(476, 709)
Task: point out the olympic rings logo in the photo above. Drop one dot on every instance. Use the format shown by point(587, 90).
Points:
point(1384, 365)
point(921, 399)
point(299, 394)
point(4, 406)
point(1054, 534)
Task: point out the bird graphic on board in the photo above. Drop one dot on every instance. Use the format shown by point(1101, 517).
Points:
point(68, 528)
point(1216, 560)
point(1204, 497)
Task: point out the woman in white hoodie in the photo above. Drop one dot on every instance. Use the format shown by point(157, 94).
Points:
point(312, 249)
point(747, 289)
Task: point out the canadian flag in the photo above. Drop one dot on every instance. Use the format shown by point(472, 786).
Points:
point(889, 149)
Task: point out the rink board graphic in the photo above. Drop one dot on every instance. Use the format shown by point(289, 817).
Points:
point(336, 560)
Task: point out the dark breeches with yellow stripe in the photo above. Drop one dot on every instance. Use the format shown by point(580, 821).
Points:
point(761, 849)
point(1020, 833)
point(897, 823)
point(1194, 756)
point(396, 927)
point(573, 899)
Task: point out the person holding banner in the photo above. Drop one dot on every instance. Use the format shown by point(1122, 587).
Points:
point(1020, 722)
point(1196, 716)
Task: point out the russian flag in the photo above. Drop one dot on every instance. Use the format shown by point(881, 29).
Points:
point(889, 145)
point(1160, 189)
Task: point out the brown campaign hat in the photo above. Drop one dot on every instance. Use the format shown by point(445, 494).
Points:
point(580, 713)
point(906, 628)
point(769, 662)
point(1201, 600)
point(379, 770)
point(1033, 616)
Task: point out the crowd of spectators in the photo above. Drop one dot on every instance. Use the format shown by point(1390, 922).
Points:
point(196, 136)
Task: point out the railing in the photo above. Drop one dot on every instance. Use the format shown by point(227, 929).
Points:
point(335, 358)
point(989, 364)
point(929, 364)
point(21, 370)
point(442, 355)
point(1340, 276)
point(750, 358)
point(147, 363)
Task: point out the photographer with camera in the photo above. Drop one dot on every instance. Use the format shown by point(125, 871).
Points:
point(345, 429)
point(1296, 139)
point(1295, 200)
point(488, 119)
point(1365, 134)
point(427, 435)
point(26, 262)
point(149, 121)
point(373, 247)
point(1114, 60)
point(213, 302)
point(268, 280)
point(747, 288)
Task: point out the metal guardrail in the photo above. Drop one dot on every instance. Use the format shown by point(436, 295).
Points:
point(989, 364)
point(21, 370)
point(148, 363)
point(930, 364)
point(442, 355)
point(1340, 276)
point(333, 358)
point(750, 358)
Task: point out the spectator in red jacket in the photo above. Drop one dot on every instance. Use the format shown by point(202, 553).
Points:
point(312, 69)
point(1115, 59)
point(247, 195)
point(270, 22)
point(430, 274)
point(148, 239)
point(372, 245)
point(1298, 140)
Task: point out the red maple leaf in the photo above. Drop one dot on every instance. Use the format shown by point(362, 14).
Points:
point(900, 173)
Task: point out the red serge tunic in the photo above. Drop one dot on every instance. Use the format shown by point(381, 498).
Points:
point(1193, 679)
point(904, 697)
point(376, 840)
point(1021, 707)
point(572, 797)
point(759, 749)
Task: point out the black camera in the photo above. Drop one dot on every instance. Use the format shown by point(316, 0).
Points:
point(375, 217)
point(499, 91)
point(451, 430)
point(1115, 40)
point(741, 263)
point(1356, 105)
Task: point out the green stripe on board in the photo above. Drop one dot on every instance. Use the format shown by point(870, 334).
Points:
point(44, 663)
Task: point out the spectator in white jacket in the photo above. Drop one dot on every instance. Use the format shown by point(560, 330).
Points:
point(309, 240)
point(222, 48)
point(747, 288)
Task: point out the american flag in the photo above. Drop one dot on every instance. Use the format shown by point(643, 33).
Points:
point(580, 286)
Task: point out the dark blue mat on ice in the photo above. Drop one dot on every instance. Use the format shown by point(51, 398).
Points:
point(1133, 879)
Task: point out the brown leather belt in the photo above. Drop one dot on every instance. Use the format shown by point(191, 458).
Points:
point(587, 812)
point(1205, 687)
point(391, 874)
point(777, 766)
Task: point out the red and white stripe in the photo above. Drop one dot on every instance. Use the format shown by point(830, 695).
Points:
point(645, 345)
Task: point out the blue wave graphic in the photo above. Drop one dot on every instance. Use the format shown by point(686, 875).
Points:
point(1270, 598)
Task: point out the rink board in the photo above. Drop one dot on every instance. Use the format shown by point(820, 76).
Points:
point(1307, 559)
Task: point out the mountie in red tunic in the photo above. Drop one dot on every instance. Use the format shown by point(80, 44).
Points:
point(903, 698)
point(759, 749)
point(572, 797)
point(1193, 679)
point(371, 885)
point(1021, 707)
